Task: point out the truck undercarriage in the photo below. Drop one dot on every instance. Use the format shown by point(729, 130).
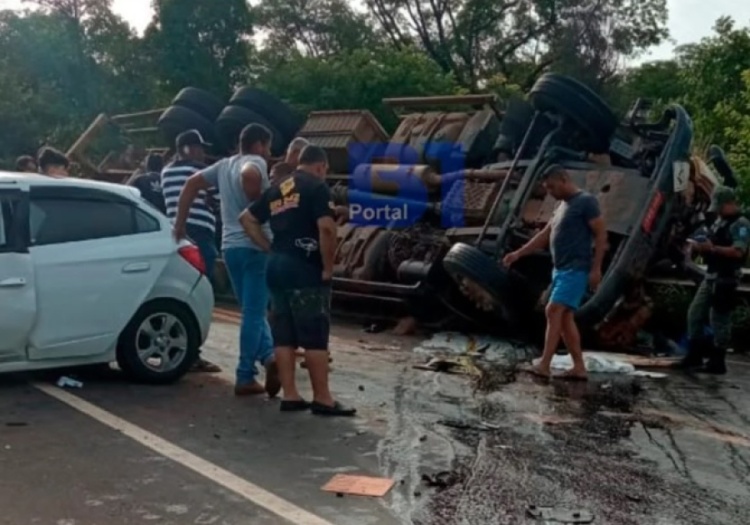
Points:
point(480, 201)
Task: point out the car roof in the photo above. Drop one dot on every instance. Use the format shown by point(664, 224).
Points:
point(28, 180)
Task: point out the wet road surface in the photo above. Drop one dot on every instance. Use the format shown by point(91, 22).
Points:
point(668, 451)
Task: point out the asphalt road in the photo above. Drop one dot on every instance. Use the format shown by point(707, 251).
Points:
point(667, 452)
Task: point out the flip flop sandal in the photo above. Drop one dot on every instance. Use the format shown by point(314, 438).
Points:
point(531, 371)
point(295, 406)
point(570, 377)
point(337, 410)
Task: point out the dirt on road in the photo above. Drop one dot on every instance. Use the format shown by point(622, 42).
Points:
point(630, 451)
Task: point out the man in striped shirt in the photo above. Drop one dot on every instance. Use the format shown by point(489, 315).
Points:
point(201, 221)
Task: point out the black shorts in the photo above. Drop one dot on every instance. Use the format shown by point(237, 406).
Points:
point(301, 317)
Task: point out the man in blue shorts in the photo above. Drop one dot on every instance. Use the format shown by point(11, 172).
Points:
point(576, 225)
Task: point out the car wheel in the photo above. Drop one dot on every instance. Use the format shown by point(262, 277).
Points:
point(274, 110)
point(567, 97)
point(177, 119)
point(160, 343)
point(233, 119)
point(480, 279)
point(202, 102)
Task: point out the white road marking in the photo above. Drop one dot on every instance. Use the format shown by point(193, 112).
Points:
point(251, 492)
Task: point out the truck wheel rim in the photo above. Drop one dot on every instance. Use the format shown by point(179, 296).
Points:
point(162, 342)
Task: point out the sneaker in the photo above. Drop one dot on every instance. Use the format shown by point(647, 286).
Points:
point(250, 389)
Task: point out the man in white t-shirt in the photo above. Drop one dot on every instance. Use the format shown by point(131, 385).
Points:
point(240, 180)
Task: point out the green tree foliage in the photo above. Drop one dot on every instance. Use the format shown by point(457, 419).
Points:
point(475, 39)
point(317, 28)
point(711, 77)
point(359, 79)
point(201, 44)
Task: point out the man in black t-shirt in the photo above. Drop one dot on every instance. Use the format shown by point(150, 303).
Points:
point(301, 217)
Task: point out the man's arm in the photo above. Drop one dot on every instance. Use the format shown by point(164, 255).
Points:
point(252, 218)
point(593, 215)
point(251, 225)
point(323, 213)
point(537, 242)
point(199, 181)
point(252, 181)
point(740, 232)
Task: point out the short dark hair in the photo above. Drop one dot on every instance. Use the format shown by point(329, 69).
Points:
point(313, 155)
point(51, 157)
point(253, 134)
point(554, 170)
point(154, 163)
point(23, 162)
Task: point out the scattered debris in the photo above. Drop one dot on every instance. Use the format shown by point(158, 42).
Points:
point(441, 480)
point(550, 514)
point(64, 382)
point(551, 419)
point(466, 425)
point(445, 366)
point(359, 485)
point(595, 363)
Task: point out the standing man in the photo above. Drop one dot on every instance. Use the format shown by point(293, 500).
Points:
point(577, 223)
point(724, 251)
point(53, 163)
point(26, 164)
point(198, 221)
point(149, 183)
point(301, 216)
point(282, 169)
point(241, 179)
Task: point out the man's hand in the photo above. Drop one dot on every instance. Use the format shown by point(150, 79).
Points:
point(595, 279)
point(178, 232)
point(703, 247)
point(511, 258)
point(327, 276)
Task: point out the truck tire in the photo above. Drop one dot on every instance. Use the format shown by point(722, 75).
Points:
point(464, 261)
point(233, 119)
point(274, 110)
point(567, 97)
point(177, 119)
point(175, 348)
point(202, 102)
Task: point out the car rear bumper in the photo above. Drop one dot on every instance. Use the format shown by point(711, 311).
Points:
point(201, 301)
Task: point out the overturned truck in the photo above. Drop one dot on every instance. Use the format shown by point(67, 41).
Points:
point(461, 178)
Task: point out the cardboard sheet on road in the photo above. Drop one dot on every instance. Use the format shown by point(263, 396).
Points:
point(638, 361)
point(359, 485)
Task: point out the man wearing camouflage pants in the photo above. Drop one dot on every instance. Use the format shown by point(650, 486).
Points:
point(724, 252)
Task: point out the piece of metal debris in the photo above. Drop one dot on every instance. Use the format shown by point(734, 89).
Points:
point(64, 382)
point(553, 515)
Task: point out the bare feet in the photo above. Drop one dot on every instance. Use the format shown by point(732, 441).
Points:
point(251, 389)
point(538, 371)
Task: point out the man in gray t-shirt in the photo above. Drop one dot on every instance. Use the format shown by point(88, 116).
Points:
point(575, 225)
point(240, 181)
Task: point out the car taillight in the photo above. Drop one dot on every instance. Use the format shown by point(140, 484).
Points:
point(193, 256)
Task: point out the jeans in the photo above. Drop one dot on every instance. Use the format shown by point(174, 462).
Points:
point(205, 240)
point(247, 272)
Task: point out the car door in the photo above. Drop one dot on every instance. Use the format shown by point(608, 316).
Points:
point(17, 295)
point(96, 255)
